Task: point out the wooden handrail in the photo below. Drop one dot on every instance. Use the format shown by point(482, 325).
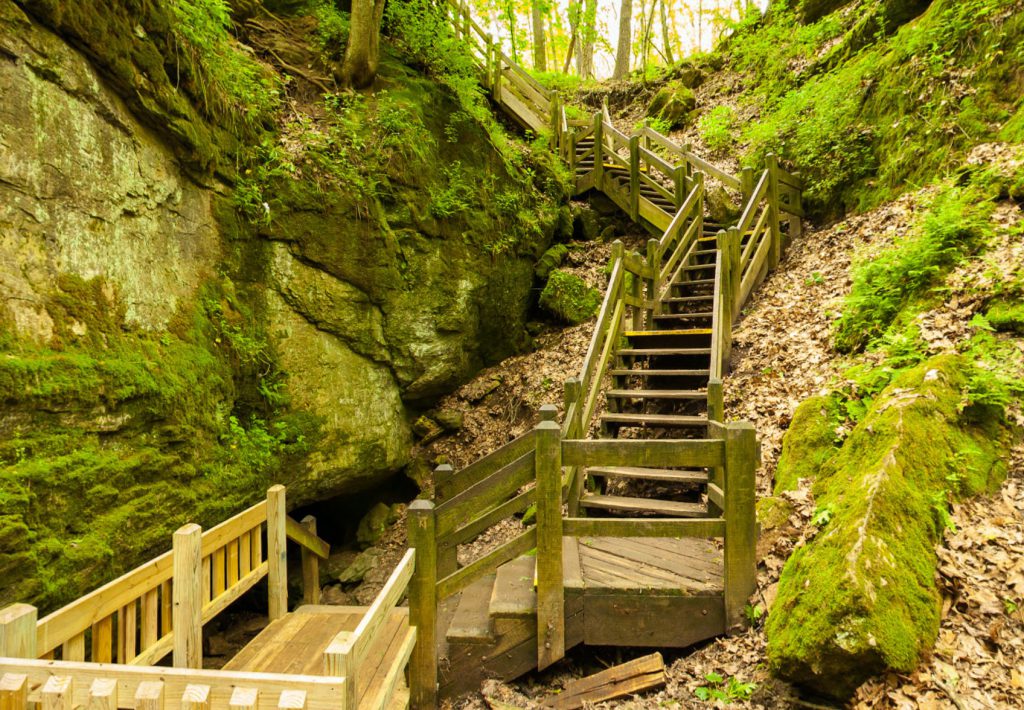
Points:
point(751, 208)
point(307, 540)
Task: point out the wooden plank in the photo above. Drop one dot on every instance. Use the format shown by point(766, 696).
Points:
point(638, 675)
point(651, 621)
point(573, 572)
point(472, 620)
point(712, 170)
point(751, 209)
point(245, 554)
point(491, 561)
point(166, 606)
point(102, 631)
point(649, 453)
point(150, 627)
point(513, 593)
point(469, 531)
point(482, 496)
point(485, 466)
point(388, 597)
point(128, 622)
point(521, 111)
point(74, 648)
point(644, 527)
point(188, 602)
point(219, 604)
point(310, 567)
point(382, 698)
point(219, 535)
point(296, 532)
point(232, 562)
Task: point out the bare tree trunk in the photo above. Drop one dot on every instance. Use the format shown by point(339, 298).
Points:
point(575, 8)
point(625, 48)
point(510, 18)
point(540, 54)
point(588, 33)
point(700, 25)
point(362, 55)
point(665, 35)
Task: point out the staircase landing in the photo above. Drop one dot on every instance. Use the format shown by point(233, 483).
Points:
point(662, 592)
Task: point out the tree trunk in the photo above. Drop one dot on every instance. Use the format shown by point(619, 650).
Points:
point(574, 30)
point(362, 55)
point(540, 54)
point(665, 35)
point(625, 48)
point(587, 35)
point(510, 19)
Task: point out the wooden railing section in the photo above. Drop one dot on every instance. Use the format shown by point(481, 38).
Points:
point(494, 490)
point(101, 650)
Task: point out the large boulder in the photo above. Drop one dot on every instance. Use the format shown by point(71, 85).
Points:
point(568, 297)
point(860, 597)
point(673, 104)
point(809, 442)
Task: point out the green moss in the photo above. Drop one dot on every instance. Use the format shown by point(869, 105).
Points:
point(569, 298)
point(773, 512)
point(672, 105)
point(550, 261)
point(1007, 316)
point(861, 596)
point(809, 442)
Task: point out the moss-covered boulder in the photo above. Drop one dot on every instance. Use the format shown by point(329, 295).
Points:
point(550, 261)
point(809, 442)
point(861, 597)
point(1007, 315)
point(569, 298)
point(673, 104)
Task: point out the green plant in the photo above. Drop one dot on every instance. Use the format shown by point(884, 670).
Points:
point(754, 613)
point(822, 516)
point(454, 196)
point(729, 691)
point(716, 128)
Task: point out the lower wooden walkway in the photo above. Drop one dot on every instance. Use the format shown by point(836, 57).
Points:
point(296, 644)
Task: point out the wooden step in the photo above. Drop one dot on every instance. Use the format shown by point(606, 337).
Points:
point(693, 282)
point(622, 504)
point(688, 299)
point(660, 373)
point(687, 316)
point(698, 267)
point(657, 393)
point(472, 620)
point(650, 474)
point(514, 594)
point(662, 334)
point(665, 421)
point(653, 352)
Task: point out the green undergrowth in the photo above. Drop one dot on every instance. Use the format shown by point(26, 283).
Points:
point(569, 298)
point(109, 428)
point(866, 101)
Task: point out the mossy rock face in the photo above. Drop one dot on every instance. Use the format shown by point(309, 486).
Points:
point(673, 104)
point(809, 442)
point(813, 10)
point(860, 598)
point(551, 260)
point(687, 75)
point(1007, 315)
point(569, 298)
point(720, 205)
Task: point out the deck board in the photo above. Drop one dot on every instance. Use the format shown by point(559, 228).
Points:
point(295, 644)
point(650, 565)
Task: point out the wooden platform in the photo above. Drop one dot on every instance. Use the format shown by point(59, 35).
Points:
point(295, 645)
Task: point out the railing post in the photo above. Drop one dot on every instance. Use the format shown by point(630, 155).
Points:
point(636, 290)
point(572, 404)
point(716, 404)
point(598, 150)
point(654, 283)
point(740, 525)
point(550, 594)
point(422, 536)
point(775, 248)
point(310, 568)
point(447, 557)
point(634, 177)
point(18, 631)
point(496, 84)
point(747, 184)
point(488, 61)
point(698, 181)
point(679, 178)
point(687, 149)
point(277, 553)
point(187, 611)
point(735, 241)
point(727, 297)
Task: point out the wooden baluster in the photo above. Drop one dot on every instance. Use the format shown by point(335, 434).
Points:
point(166, 607)
point(150, 631)
point(18, 631)
point(726, 295)
point(232, 560)
point(735, 239)
point(310, 568)
point(188, 597)
point(74, 648)
point(599, 150)
point(740, 524)
point(634, 177)
point(102, 640)
point(488, 62)
point(573, 403)
point(716, 404)
point(245, 554)
point(206, 579)
point(128, 625)
point(550, 593)
point(679, 180)
point(637, 291)
point(653, 283)
point(747, 184)
point(256, 537)
point(103, 694)
point(422, 536)
point(496, 83)
point(219, 568)
point(277, 553)
point(57, 693)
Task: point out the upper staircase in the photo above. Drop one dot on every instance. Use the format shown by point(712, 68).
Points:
point(645, 526)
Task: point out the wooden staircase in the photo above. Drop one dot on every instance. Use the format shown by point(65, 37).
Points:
point(644, 535)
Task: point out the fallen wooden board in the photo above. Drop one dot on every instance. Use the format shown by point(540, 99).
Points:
point(640, 674)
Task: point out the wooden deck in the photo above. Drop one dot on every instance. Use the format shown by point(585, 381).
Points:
point(295, 645)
